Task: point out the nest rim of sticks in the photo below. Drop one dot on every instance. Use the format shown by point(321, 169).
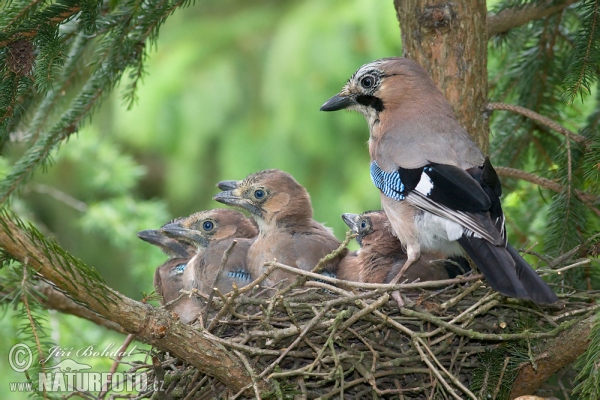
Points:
point(328, 338)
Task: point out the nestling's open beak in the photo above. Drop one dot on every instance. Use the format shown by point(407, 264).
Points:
point(352, 221)
point(337, 102)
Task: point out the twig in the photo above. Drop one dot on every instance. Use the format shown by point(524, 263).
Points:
point(499, 384)
point(452, 377)
point(349, 236)
point(251, 372)
point(383, 286)
point(197, 387)
point(435, 371)
point(453, 301)
point(115, 365)
point(577, 264)
point(308, 326)
point(369, 309)
point(488, 336)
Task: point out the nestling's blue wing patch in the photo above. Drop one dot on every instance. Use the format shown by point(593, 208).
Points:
point(239, 274)
point(179, 268)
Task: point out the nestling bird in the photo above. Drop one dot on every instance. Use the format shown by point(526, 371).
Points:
point(437, 188)
point(211, 233)
point(287, 231)
point(381, 255)
point(168, 276)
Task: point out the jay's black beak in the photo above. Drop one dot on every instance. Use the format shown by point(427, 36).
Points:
point(337, 102)
point(352, 221)
point(227, 185)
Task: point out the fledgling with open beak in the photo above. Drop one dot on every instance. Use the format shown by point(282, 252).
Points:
point(437, 188)
point(211, 233)
point(168, 277)
point(381, 255)
point(287, 231)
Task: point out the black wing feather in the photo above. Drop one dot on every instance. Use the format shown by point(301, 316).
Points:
point(456, 189)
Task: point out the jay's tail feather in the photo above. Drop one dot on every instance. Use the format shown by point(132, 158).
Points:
point(506, 271)
point(538, 290)
point(496, 265)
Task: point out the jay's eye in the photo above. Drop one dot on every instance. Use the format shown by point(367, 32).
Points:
point(363, 224)
point(207, 225)
point(367, 82)
point(259, 194)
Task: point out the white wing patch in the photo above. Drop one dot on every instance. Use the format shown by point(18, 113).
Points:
point(425, 185)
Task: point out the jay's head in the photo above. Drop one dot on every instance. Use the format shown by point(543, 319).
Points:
point(170, 246)
point(202, 228)
point(385, 84)
point(271, 196)
point(373, 229)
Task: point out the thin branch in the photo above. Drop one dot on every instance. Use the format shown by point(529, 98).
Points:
point(382, 286)
point(589, 199)
point(540, 119)
point(514, 17)
point(321, 264)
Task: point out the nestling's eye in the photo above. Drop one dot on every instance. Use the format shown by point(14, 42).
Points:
point(259, 193)
point(363, 224)
point(208, 225)
point(368, 81)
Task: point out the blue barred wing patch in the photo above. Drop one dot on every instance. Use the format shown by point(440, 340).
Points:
point(239, 274)
point(389, 183)
point(180, 268)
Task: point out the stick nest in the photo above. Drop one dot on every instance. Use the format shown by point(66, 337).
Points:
point(333, 339)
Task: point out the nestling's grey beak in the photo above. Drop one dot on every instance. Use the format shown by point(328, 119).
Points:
point(227, 197)
point(337, 102)
point(231, 199)
point(151, 236)
point(227, 185)
point(190, 236)
point(352, 221)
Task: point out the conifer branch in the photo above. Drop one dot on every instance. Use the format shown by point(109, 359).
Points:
point(514, 17)
point(582, 71)
point(118, 52)
point(150, 324)
point(33, 31)
point(52, 299)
